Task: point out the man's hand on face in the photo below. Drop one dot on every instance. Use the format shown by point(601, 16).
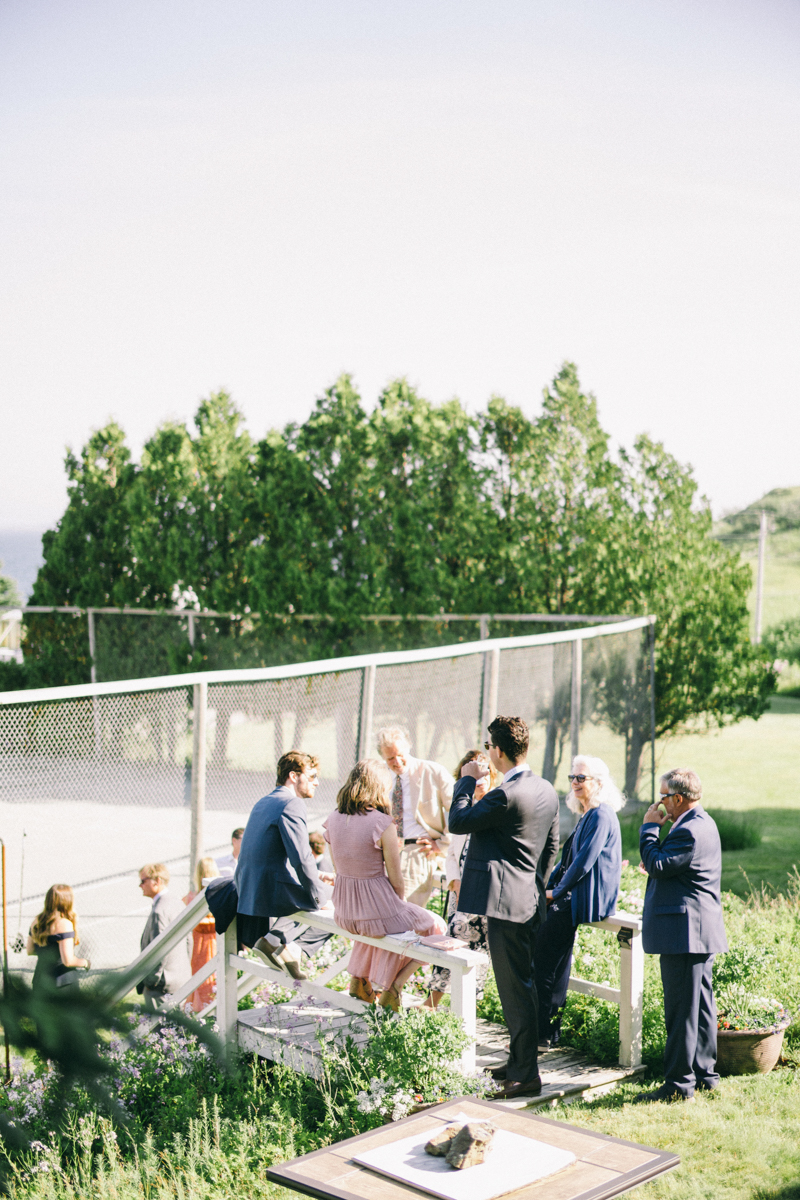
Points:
point(654, 814)
point(475, 770)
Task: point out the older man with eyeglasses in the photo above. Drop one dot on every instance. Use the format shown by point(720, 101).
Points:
point(683, 922)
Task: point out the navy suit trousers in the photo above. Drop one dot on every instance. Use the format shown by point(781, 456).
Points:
point(552, 960)
point(511, 945)
point(690, 1012)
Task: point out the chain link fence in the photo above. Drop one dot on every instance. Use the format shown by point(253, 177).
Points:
point(97, 779)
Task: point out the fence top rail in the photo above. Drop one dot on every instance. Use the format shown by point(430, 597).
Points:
point(438, 618)
point(325, 666)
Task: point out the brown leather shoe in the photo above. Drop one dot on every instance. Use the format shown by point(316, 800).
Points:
point(511, 1089)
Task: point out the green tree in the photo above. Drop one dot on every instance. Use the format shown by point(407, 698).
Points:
point(707, 672)
point(9, 596)
point(412, 508)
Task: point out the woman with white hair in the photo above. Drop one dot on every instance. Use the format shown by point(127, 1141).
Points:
point(583, 886)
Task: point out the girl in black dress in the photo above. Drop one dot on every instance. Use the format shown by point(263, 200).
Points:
point(53, 937)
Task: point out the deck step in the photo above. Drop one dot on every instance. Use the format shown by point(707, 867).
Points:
point(294, 1033)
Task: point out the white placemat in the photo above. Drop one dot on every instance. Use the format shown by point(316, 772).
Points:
point(513, 1162)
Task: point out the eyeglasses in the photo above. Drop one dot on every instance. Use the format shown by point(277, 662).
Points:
point(489, 746)
point(579, 778)
point(146, 879)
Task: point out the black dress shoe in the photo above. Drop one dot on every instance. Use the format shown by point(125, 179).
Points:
point(511, 1089)
point(702, 1086)
point(665, 1092)
point(498, 1073)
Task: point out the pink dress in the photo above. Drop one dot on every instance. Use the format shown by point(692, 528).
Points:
point(363, 899)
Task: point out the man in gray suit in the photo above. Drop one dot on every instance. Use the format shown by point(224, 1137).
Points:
point(276, 874)
point(512, 848)
point(174, 969)
point(682, 921)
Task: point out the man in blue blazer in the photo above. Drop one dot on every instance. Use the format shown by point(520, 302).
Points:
point(682, 922)
point(512, 848)
point(276, 873)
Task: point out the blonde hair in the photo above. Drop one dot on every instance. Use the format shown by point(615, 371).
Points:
point(366, 787)
point(59, 902)
point(607, 792)
point(205, 869)
point(480, 756)
point(157, 871)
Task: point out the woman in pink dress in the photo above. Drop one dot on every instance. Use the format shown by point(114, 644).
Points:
point(368, 892)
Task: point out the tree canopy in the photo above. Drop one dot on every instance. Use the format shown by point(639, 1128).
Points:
point(408, 508)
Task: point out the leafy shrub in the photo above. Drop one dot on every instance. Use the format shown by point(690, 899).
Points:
point(737, 831)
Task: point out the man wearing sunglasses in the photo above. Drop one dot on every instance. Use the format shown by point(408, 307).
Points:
point(512, 848)
point(682, 921)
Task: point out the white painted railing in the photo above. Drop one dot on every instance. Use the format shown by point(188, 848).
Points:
point(630, 993)
point(227, 963)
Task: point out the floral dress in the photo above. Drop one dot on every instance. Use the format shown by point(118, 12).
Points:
point(467, 927)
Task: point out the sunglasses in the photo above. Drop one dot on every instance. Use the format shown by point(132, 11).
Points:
point(579, 778)
point(488, 745)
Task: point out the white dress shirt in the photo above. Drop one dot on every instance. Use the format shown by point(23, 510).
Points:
point(509, 775)
point(411, 827)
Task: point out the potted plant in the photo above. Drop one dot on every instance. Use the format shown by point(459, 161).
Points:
point(750, 1031)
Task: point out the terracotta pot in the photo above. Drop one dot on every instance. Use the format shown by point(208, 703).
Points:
point(750, 1051)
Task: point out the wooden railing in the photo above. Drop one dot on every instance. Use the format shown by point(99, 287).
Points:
point(630, 993)
point(227, 963)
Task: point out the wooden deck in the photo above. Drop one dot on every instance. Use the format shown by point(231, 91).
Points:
point(294, 1033)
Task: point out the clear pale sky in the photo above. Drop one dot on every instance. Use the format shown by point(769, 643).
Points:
point(258, 195)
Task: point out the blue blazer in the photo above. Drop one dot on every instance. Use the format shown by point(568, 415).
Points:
point(682, 904)
point(276, 874)
point(513, 844)
point(594, 873)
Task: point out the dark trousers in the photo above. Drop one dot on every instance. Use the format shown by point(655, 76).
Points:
point(250, 929)
point(552, 959)
point(511, 948)
point(690, 1013)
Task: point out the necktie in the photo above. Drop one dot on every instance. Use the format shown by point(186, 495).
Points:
point(397, 806)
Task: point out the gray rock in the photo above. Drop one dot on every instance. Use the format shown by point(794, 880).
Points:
point(470, 1145)
point(440, 1142)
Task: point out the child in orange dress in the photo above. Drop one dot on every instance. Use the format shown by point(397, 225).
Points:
point(204, 939)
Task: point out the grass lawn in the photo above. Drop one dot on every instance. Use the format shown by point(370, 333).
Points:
point(750, 768)
point(740, 1143)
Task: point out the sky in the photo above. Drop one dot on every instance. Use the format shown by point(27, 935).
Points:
point(261, 195)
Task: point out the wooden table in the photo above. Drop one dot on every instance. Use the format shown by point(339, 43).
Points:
point(604, 1166)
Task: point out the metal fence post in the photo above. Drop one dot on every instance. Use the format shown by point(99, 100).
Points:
point(366, 710)
point(491, 681)
point(631, 1000)
point(197, 838)
point(92, 655)
point(575, 704)
point(652, 641)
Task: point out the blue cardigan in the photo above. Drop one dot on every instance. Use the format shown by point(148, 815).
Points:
point(594, 873)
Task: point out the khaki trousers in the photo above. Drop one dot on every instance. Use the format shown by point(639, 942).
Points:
point(418, 874)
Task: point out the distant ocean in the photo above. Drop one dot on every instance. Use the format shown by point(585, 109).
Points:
point(21, 557)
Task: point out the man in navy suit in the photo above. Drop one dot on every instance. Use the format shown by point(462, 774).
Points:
point(682, 922)
point(276, 873)
point(512, 848)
